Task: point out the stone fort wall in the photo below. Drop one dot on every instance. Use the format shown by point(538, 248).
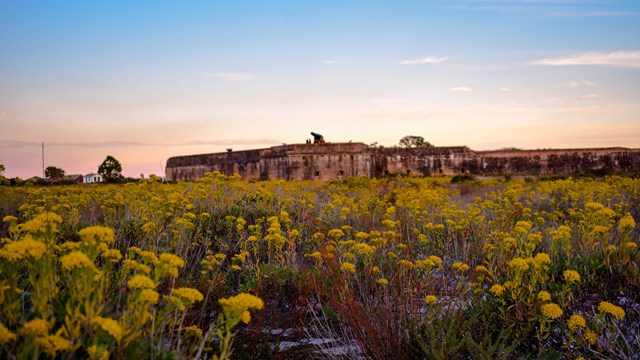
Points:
point(331, 161)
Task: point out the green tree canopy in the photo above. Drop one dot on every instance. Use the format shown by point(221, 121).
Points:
point(412, 141)
point(2, 168)
point(111, 170)
point(53, 173)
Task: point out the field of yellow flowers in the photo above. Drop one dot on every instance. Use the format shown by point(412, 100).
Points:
point(392, 268)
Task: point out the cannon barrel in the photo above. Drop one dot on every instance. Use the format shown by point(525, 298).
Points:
point(316, 135)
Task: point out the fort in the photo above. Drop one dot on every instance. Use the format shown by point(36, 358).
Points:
point(330, 161)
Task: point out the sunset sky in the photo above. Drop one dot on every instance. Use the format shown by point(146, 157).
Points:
point(146, 80)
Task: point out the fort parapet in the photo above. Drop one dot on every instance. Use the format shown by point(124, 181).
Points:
point(331, 161)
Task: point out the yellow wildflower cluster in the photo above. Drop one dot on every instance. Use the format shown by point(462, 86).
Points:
point(497, 290)
point(576, 322)
point(430, 299)
point(348, 267)
point(518, 264)
point(6, 335)
point(551, 310)
point(77, 260)
point(140, 282)
point(188, 294)
point(544, 296)
point(35, 327)
point(238, 306)
point(21, 249)
point(112, 327)
point(608, 308)
point(168, 265)
point(460, 266)
point(571, 276)
point(97, 234)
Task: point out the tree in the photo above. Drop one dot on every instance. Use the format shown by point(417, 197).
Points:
point(2, 168)
point(412, 141)
point(53, 173)
point(111, 170)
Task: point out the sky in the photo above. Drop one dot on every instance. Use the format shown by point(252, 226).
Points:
point(146, 80)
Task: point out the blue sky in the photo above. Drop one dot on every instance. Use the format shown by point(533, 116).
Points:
point(146, 80)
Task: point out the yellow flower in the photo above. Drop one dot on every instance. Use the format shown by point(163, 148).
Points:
point(316, 255)
point(613, 310)
point(509, 242)
point(98, 352)
point(425, 264)
point(544, 296)
point(519, 264)
point(576, 322)
point(193, 330)
point(460, 266)
point(632, 245)
point(246, 317)
point(76, 259)
point(497, 289)
point(383, 281)
point(406, 263)
point(237, 307)
point(9, 218)
point(364, 249)
point(436, 260)
point(542, 258)
point(140, 282)
point(168, 264)
point(551, 310)
point(348, 267)
point(571, 276)
point(375, 270)
point(6, 335)
point(112, 327)
point(21, 249)
point(482, 269)
point(627, 222)
point(43, 223)
point(97, 234)
point(610, 248)
point(348, 256)
point(591, 337)
point(335, 234)
point(149, 296)
point(236, 267)
point(112, 254)
point(171, 260)
point(35, 327)
point(54, 343)
point(429, 299)
point(189, 294)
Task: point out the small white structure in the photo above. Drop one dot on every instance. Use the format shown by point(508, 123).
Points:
point(92, 178)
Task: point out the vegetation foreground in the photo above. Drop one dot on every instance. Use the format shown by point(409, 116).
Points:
point(394, 268)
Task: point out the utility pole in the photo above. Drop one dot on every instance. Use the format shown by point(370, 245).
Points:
point(43, 160)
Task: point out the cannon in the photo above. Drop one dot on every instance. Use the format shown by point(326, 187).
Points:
point(317, 138)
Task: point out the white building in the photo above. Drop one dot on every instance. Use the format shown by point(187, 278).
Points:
point(92, 178)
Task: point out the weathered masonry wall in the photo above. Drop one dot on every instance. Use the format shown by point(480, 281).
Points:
point(331, 161)
point(289, 162)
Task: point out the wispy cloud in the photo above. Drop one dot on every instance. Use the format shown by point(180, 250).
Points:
point(627, 59)
point(424, 60)
point(505, 89)
point(329, 61)
point(575, 84)
point(232, 76)
point(461, 88)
